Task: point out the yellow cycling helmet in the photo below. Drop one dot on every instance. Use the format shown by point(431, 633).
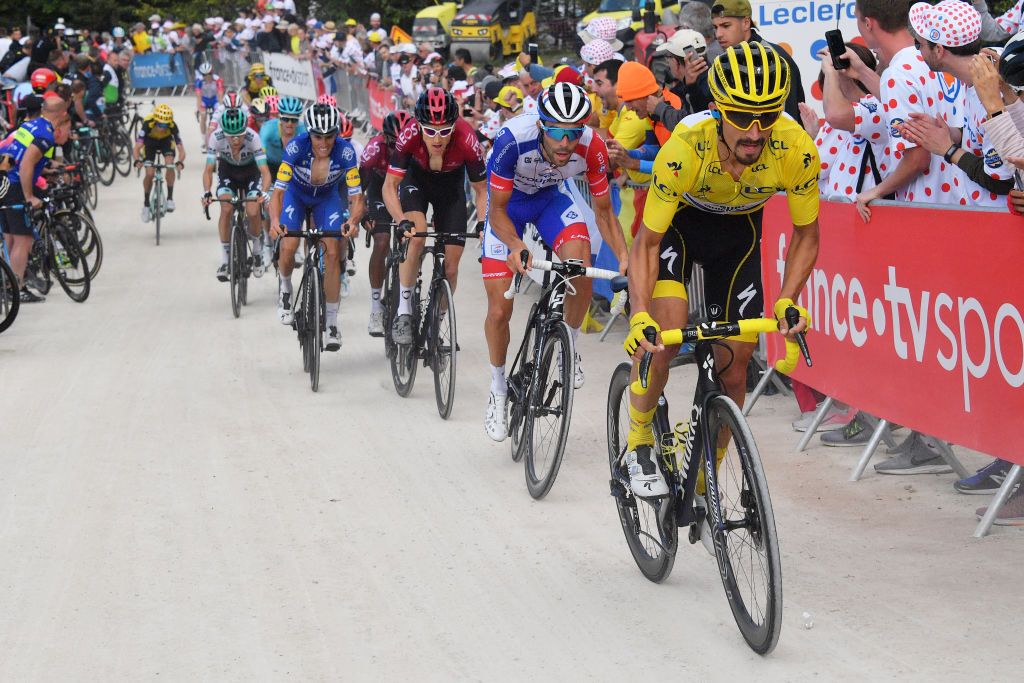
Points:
point(163, 114)
point(751, 77)
point(257, 69)
point(268, 91)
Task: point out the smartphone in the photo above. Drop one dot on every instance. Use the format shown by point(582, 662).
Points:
point(531, 49)
point(836, 48)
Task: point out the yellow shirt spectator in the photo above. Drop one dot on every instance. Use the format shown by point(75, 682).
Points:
point(142, 42)
point(631, 132)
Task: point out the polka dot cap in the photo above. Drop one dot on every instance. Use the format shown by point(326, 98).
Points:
point(950, 23)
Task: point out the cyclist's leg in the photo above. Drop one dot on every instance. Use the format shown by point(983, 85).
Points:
point(169, 151)
point(149, 153)
point(252, 209)
point(17, 232)
point(496, 330)
point(447, 194)
point(670, 309)
point(327, 217)
point(731, 255)
point(414, 204)
point(293, 213)
point(563, 228)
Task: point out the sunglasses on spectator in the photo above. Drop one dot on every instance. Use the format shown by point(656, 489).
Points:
point(558, 134)
point(435, 132)
point(743, 120)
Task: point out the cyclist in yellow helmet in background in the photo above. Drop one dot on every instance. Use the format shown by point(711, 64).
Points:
point(710, 183)
point(255, 81)
point(158, 134)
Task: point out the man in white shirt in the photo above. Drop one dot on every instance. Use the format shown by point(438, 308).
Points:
point(376, 28)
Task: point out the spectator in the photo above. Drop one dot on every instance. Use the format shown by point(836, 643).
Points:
point(17, 69)
point(464, 59)
point(140, 39)
point(530, 79)
point(5, 41)
point(734, 25)
point(376, 28)
point(688, 66)
point(696, 16)
point(954, 29)
point(269, 39)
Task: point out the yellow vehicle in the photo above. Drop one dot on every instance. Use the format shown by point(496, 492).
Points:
point(492, 29)
point(629, 15)
point(432, 25)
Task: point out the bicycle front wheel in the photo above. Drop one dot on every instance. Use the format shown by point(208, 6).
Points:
point(122, 153)
point(81, 226)
point(549, 410)
point(519, 384)
point(653, 550)
point(315, 326)
point(105, 161)
point(236, 266)
point(68, 264)
point(443, 343)
point(157, 207)
point(404, 358)
point(10, 298)
point(746, 543)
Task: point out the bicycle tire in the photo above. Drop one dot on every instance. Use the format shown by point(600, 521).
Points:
point(77, 287)
point(316, 328)
point(543, 455)
point(236, 269)
point(84, 230)
point(519, 387)
point(755, 506)
point(122, 153)
point(10, 296)
point(157, 207)
point(653, 553)
point(389, 299)
point(404, 358)
point(299, 319)
point(443, 345)
point(89, 180)
point(105, 162)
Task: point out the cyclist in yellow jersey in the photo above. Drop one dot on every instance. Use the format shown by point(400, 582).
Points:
point(711, 181)
point(256, 80)
point(158, 137)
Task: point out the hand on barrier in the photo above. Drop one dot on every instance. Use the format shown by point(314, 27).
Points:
point(637, 339)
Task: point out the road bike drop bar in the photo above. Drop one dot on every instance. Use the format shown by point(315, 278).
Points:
point(719, 330)
point(443, 236)
point(568, 269)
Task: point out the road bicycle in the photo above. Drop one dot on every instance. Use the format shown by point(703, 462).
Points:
point(70, 210)
point(94, 149)
point(157, 196)
point(240, 258)
point(10, 294)
point(435, 338)
point(717, 486)
point(309, 306)
point(56, 252)
point(540, 383)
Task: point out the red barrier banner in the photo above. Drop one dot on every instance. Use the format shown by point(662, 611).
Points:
point(381, 104)
point(918, 317)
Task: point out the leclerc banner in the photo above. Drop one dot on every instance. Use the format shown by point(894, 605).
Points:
point(292, 77)
point(918, 317)
point(381, 104)
point(158, 70)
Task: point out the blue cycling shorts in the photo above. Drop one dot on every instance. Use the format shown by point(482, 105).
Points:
point(328, 213)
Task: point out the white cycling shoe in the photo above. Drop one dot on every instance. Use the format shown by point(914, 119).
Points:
point(170, 205)
point(645, 477)
point(147, 215)
point(333, 339)
point(284, 309)
point(495, 421)
point(376, 325)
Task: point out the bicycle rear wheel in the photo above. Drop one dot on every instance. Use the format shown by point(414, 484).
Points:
point(315, 326)
point(443, 343)
point(81, 226)
point(236, 266)
point(122, 153)
point(746, 543)
point(66, 260)
point(549, 410)
point(653, 551)
point(104, 161)
point(10, 298)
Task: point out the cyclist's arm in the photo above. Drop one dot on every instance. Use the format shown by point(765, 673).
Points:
point(177, 142)
point(610, 228)
point(138, 148)
point(27, 170)
point(643, 268)
point(803, 252)
point(276, 199)
point(211, 163)
point(391, 200)
point(480, 195)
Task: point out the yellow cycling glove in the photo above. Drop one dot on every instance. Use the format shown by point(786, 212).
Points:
point(637, 324)
point(780, 310)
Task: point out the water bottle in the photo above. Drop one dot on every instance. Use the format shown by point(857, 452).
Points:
point(61, 254)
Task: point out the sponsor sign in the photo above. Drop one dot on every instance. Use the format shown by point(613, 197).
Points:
point(158, 70)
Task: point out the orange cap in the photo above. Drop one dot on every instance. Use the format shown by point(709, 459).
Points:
point(635, 81)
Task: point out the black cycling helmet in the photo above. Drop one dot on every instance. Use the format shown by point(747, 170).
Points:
point(1011, 62)
point(436, 107)
point(394, 123)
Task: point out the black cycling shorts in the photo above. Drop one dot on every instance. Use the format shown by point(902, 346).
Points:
point(151, 148)
point(14, 221)
point(728, 247)
point(373, 190)
point(445, 192)
point(238, 181)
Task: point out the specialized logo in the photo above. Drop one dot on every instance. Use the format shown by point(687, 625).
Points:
point(745, 297)
point(334, 218)
point(290, 210)
point(670, 255)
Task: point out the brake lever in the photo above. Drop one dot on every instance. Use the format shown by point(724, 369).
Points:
point(651, 335)
point(792, 318)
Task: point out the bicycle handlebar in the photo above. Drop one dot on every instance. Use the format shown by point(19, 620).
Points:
point(232, 202)
point(454, 235)
point(567, 269)
point(718, 330)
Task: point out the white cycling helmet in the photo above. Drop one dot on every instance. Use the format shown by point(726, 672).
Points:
point(322, 119)
point(205, 68)
point(564, 103)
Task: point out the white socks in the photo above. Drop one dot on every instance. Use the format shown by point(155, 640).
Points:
point(404, 300)
point(225, 252)
point(375, 304)
point(498, 383)
point(332, 313)
point(286, 284)
point(575, 334)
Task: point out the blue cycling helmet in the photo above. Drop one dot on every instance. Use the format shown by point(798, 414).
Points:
point(289, 106)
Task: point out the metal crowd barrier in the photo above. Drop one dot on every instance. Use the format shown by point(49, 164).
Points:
point(352, 94)
point(232, 67)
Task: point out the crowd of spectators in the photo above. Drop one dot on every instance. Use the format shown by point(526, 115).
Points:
point(917, 115)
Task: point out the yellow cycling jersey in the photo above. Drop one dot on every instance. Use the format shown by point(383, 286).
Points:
point(253, 86)
point(149, 129)
point(688, 171)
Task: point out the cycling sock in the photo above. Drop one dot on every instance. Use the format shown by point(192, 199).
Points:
point(255, 242)
point(575, 334)
point(170, 191)
point(332, 313)
point(404, 300)
point(286, 283)
point(719, 455)
point(225, 252)
point(640, 431)
point(498, 384)
point(145, 200)
point(375, 305)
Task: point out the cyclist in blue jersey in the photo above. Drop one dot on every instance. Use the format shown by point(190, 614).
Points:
point(30, 148)
point(314, 164)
